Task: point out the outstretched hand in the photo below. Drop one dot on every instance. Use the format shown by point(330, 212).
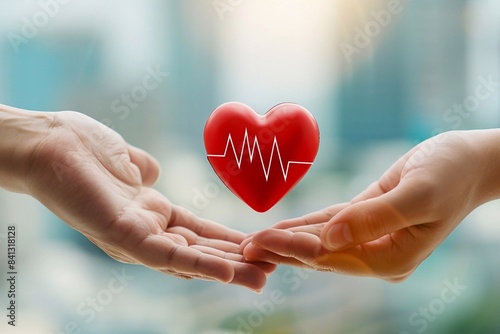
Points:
point(93, 180)
point(396, 223)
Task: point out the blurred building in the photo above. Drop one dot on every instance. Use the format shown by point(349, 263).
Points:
point(411, 70)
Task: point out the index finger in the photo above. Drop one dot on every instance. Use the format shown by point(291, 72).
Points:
point(204, 227)
point(321, 216)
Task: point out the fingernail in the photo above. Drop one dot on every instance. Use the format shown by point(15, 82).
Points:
point(338, 236)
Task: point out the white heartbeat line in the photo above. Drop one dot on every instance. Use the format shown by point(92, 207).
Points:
point(251, 152)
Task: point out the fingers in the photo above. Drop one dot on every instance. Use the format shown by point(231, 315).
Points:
point(194, 239)
point(160, 252)
point(266, 267)
point(392, 257)
point(148, 166)
point(246, 241)
point(307, 223)
point(203, 227)
point(248, 275)
point(296, 245)
point(179, 217)
point(321, 216)
point(219, 253)
point(404, 206)
point(208, 250)
point(311, 229)
point(283, 251)
point(373, 190)
point(199, 255)
point(215, 238)
point(253, 252)
point(388, 181)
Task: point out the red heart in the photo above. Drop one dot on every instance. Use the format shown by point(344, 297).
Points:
point(261, 158)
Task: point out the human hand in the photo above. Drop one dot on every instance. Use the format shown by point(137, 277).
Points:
point(92, 179)
point(396, 223)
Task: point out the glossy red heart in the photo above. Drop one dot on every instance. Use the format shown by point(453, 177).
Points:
point(260, 158)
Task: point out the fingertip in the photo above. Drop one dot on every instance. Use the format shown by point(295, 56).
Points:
point(267, 238)
point(244, 244)
point(147, 164)
point(250, 276)
point(249, 252)
point(152, 172)
point(226, 276)
point(216, 268)
point(248, 240)
point(267, 267)
point(254, 253)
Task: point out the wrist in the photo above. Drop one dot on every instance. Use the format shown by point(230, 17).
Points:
point(21, 133)
point(487, 144)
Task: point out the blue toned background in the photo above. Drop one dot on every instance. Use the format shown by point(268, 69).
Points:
point(379, 76)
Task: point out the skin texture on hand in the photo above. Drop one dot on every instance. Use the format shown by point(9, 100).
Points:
point(396, 223)
point(92, 179)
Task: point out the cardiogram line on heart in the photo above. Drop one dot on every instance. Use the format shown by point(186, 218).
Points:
point(251, 152)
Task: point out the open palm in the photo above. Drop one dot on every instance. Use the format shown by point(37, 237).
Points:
point(392, 226)
point(93, 180)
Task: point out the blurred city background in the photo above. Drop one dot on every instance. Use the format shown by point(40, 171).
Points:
point(379, 76)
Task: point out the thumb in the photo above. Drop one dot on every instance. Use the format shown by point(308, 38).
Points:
point(370, 220)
